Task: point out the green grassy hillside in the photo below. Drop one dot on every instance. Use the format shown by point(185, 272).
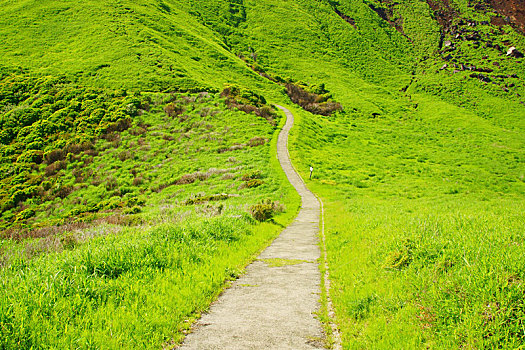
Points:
point(144, 45)
point(125, 173)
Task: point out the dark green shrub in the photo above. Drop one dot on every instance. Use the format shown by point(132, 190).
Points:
point(132, 200)
point(242, 96)
point(96, 115)
point(134, 210)
point(46, 99)
point(37, 144)
point(265, 210)
point(25, 214)
point(75, 212)
point(54, 156)
point(46, 185)
point(254, 174)
point(31, 156)
point(21, 195)
point(23, 117)
point(111, 203)
point(253, 183)
point(69, 241)
point(6, 136)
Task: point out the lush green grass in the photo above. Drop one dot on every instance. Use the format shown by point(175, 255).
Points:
point(424, 219)
point(126, 287)
point(146, 45)
point(424, 187)
point(422, 174)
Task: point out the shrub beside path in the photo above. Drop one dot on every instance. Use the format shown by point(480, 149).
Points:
point(273, 305)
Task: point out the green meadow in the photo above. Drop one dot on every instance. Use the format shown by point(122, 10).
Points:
point(130, 185)
point(424, 243)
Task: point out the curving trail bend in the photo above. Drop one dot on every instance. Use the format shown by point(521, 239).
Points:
point(272, 307)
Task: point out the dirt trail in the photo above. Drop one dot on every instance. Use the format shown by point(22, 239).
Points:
point(273, 305)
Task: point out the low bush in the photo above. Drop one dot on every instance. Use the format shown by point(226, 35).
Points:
point(256, 141)
point(139, 180)
point(174, 110)
point(69, 241)
point(76, 148)
point(203, 199)
point(316, 101)
point(118, 126)
point(265, 210)
point(125, 155)
point(31, 156)
point(54, 156)
point(191, 178)
point(248, 102)
point(238, 95)
point(133, 210)
point(25, 214)
point(54, 168)
point(252, 175)
point(53, 121)
point(253, 183)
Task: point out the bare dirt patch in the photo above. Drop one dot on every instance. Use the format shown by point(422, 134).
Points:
point(513, 11)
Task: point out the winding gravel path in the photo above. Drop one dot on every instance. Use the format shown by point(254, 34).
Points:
point(273, 305)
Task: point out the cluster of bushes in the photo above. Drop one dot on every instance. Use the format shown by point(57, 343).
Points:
point(208, 198)
point(252, 179)
point(265, 210)
point(249, 102)
point(47, 123)
point(315, 99)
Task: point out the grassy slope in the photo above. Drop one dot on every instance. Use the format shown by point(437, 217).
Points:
point(424, 198)
point(146, 45)
point(424, 188)
point(424, 238)
point(146, 260)
point(114, 269)
point(134, 278)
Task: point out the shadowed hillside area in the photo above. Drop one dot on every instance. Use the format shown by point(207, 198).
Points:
point(138, 172)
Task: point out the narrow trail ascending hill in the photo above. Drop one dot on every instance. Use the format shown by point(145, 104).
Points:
point(272, 307)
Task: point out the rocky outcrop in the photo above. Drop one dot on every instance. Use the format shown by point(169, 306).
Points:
point(513, 52)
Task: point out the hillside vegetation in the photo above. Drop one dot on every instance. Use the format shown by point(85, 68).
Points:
point(123, 216)
point(128, 176)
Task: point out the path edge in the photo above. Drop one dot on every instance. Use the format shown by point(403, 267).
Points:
point(334, 335)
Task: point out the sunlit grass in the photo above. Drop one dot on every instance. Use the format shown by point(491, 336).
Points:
point(424, 223)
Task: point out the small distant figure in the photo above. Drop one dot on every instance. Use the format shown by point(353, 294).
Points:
point(311, 171)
